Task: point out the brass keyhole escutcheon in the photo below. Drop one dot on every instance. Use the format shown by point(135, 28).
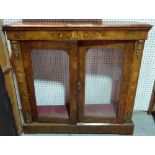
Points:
point(79, 85)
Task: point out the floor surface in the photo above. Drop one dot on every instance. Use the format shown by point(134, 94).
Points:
point(144, 126)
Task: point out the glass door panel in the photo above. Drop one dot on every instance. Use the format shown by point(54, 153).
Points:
point(103, 71)
point(51, 82)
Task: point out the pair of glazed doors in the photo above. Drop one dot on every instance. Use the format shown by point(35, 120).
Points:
point(70, 82)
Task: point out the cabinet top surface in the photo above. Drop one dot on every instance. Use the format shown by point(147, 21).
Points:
point(68, 26)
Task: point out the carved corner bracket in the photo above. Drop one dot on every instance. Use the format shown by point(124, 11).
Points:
point(139, 49)
point(14, 45)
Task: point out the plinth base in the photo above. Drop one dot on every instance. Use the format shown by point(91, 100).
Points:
point(80, 128)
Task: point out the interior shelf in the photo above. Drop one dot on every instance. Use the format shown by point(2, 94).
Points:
point(100, 110)
point(59, 111)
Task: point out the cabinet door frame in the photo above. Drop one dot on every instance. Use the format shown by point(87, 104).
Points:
point(71, 49)
point(128, 48)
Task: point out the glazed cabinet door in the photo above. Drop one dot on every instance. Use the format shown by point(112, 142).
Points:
point(50, 70)
point(104, 74)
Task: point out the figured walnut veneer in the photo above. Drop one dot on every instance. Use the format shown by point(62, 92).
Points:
point(76, 39)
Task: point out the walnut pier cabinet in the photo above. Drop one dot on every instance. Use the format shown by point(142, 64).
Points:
point(77, 78)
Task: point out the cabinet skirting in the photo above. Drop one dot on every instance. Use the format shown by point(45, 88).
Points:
point(81, 128)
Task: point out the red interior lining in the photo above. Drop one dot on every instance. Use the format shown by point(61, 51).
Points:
point(53, 111)
point(91, 110)
point(100, 110)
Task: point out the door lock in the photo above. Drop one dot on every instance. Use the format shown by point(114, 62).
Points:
point(79, 85)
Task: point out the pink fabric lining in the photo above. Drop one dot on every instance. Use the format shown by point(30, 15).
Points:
point(53, 111)
point(100, 110)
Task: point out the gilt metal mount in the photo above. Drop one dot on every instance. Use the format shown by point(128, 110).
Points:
point(14, 45)
point(139, 47)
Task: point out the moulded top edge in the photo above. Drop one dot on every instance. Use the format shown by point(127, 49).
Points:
point(67, 26)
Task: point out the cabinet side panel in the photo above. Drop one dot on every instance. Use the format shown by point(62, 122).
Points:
point(20, 75)
point(138, 52)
